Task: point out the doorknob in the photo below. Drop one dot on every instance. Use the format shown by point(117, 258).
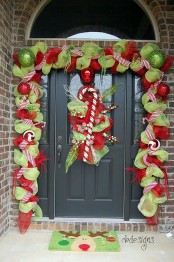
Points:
point(59, 151)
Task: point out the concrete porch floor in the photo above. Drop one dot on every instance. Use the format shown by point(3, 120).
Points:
point(33, 246)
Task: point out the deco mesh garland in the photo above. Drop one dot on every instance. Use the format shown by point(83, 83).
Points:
point(89, 135)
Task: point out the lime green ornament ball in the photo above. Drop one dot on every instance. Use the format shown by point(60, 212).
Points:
point(156, 59)
point(26, 57)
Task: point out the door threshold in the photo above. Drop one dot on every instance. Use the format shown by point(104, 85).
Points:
point(92, 220)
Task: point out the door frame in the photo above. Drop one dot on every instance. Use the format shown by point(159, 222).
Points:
point(129, 151)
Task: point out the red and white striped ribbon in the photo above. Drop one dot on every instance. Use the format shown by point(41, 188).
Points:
point(155, 115)
point(39, 67)
point(149, 187)
point(29, 157)
point(145, 63)
point(31, 185)
point(147, 163)
point(149, 134)
point(30, 122)
point(158, 81)
point(26, 197)
point(24, 103)
point(22, 171)
point(95, 56)
point(151, 95)
point(33, 71)
point(91, 120)
point(77, 52)
point(121, 60)
point(64, 47)
point(32, 87)
point(29, 76)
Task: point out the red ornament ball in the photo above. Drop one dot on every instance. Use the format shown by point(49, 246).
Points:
point(24, 88)
point(87, 74)
point(163, 89)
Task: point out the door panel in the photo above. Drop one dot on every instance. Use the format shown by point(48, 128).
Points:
point(90, 191)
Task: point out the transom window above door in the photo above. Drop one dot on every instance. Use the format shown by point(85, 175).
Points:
point(121, 18)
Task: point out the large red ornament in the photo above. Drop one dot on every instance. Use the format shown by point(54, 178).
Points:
point(163, 89)
point(24, 88)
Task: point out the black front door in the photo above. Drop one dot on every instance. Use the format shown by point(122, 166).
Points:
point(103, 191)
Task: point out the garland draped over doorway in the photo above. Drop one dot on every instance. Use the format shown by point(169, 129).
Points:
point(30, 64)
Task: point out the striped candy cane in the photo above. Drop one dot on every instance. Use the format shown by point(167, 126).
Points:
point(91, 121)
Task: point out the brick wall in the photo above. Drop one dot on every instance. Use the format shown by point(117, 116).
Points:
point(163, 11)
point(6, 18)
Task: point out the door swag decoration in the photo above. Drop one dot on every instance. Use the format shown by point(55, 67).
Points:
point(91, 125)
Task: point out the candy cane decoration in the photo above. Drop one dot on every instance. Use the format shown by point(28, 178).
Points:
point(91, 121)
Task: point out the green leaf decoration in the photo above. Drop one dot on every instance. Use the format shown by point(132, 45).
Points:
point(20, 193)
point(64, 59)
point(147, 49)
point(33, 150)
point(120, 46)
point(138, 159)
point(18, 72)
point(16, 93)
point(27, 207)
point(153, 74)
point(161, 154)
point(151, 107)
point(82, 62)
point(32, 97)
point(121, 68)
point(20, 159)
point(20, 127)
point(154, 171)
point(46, 68)
point(34, 49)
point(90, 49)
point(39, 117)
point(32, 173)
point(162, 120)
point(71, 157)
point(106, 61)
point(109, 92)
point(38, 213)
point(42, 46)
point(27, 70)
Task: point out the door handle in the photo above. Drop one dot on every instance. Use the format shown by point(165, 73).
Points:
point(59, 151)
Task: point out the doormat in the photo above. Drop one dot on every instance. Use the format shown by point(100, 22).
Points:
point(84, 241)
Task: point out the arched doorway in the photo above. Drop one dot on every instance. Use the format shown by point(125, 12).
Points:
point(115, 197)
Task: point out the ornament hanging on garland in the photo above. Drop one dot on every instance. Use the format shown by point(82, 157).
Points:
point(91, 125)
